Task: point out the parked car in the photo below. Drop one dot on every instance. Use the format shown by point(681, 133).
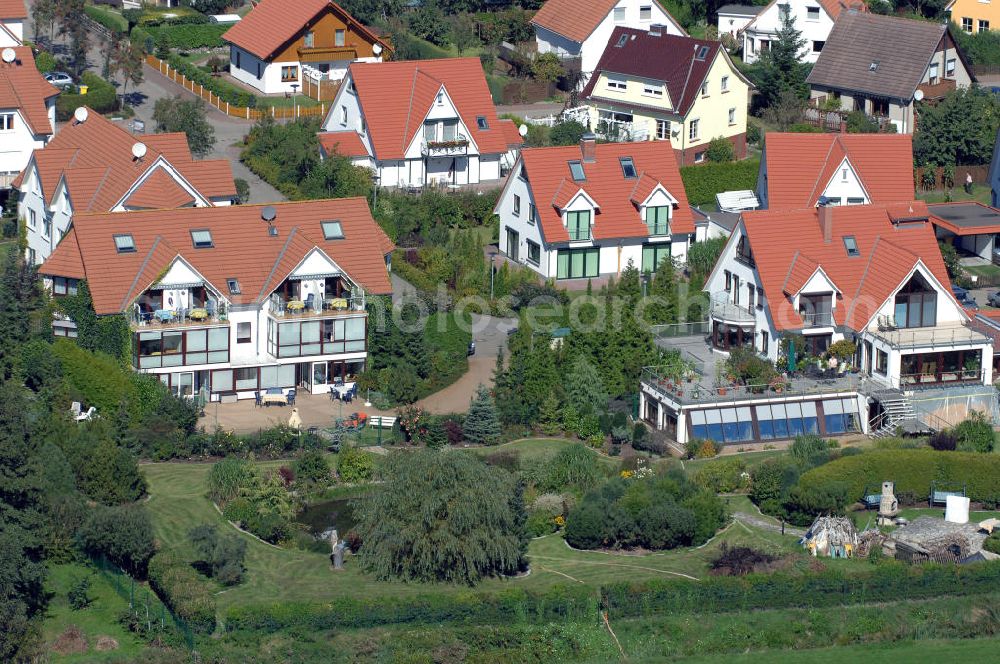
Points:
point(60, 79)
point(472, 348)
point(964, 298)
point(993, 299)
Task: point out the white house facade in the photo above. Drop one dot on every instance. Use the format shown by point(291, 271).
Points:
point(27, 114)
point(812, 18)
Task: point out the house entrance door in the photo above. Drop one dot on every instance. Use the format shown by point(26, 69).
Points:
point(513, 244)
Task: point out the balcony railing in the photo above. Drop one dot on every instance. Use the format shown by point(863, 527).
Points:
point(334, 306)
point(458, 146)
point(816, 319)
point(944, 377)
point(697, 391)
point(212, 314)
point(939, 337)
point(723, 309)
point(934, 91)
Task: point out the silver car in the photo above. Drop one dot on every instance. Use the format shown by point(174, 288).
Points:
point(60, 79)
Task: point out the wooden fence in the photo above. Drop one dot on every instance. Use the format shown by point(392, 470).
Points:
point(279, 113)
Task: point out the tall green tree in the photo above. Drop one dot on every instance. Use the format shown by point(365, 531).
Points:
point(960, 129)
point(661, 307)
point(20, 298)
point(442, 516)
point(585, 388)
point(482, 426)
point(779, 67)
point(186, 115)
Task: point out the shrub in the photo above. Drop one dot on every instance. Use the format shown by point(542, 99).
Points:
point(771, 479)
point(666, 526)
point(843, 350)
point(228, 477)
point(219, 556)
point(720, 150)
point(183, 591)
point(805, 502)
point(859, 123)
point(703, 181)
point(78, 595)
point(227, 92)
point(738, 560)
point(111, 474)
point(943, 441)
point(724, 476)
point(113, 21)
point(312, 467)
point(975, 434)
point(101, 97)
point(573, 467)
point(45, 62)
point(567, 133)
point(122, 534)
point(992, 543)
point(698, 448)
point(810, 450)
point(355, 466)
point(754, 133)
point(540, 523)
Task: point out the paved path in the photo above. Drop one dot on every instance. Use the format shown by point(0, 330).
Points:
point(766, 523)
point(539, 110)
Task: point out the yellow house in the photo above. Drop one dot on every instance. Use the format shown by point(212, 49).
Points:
point(650, 85)
point(975, 15)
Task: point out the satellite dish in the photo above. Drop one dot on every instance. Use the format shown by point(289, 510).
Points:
point(523, 130)
point(80, 114)
point(139, 150)
point(918, 95)
point(9, 55)
point(377, 49)
point(268, 213)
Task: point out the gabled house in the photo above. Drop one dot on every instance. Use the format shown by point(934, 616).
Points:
point(587, 211)
point(650, 85)
point(232, 300)
point(882, 65)
point(813, 18)
point(798, 171)
point(420, 122)
point(13, 14)
point(974, 16)
point(27, 111)
point(731, 19)
point(580, 29)
point(282, 42)
point(93, 165)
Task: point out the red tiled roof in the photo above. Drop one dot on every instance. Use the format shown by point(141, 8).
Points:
point(13, 9)
point(95, 157)
point(396, 96)
point(242, 249)
point(159, 190)
point(22, 87)
point(273, 23)
point(344, 143)
point(577, 19)
point(788, 247)
point(511, 132)
point(666, 58)
point(618, 216)
point(799, 166)
point(831, 7)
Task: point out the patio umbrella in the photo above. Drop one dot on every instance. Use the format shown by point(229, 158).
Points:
point(791, 356)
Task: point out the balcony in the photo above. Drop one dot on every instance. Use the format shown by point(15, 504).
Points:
point(939, 337)
point(724, 310)
point(450, 148)
point(145, 317)
point(817, 319)
point(936, 91)
point(292, 309)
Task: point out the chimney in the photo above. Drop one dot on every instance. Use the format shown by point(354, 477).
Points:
point(588, 148)
point(843, 126)
point(826, 222)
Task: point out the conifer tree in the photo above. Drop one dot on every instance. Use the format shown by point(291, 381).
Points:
point(481, 424)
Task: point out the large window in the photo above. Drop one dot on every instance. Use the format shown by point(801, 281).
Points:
point(6, 121)
point(840, 416)
point(577, 263)
point(315, 337)
point(723, 425)
point(653, 255)
point(787, 420)
point(967, 24)
point(534, 252)
point(916, 304)
point(578, 225)
point(289, 74)
point(182, 348)
point(663, 130)
point(339, 37)
point(658, 220)
point(63, 286)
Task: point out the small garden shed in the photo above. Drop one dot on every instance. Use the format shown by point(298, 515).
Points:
point(831, 536)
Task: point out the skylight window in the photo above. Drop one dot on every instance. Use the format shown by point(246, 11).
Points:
point(125, 244)
point(482, 123)
point(873, 66)
point(332, 230)
point(702, 53)
point(621, 41)
point(628, 168)
point(233, 285)
point(851, 245)
point(576, 170)
point(202, 239)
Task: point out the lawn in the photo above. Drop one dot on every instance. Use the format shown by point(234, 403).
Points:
point(906, 652)
point(97, 620)
point(987, 271)
point(980, 192)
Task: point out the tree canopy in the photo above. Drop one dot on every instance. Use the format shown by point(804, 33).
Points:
point(960, 129)
point(188, 116)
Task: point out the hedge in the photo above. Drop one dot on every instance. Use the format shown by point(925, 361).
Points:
point(183, 591)
point(506, 607)
point(912, 471)
point(888, 582)
point(225, 91)
point(187, 37)
point(703, 181)
point(101, 97)
point(113, 21)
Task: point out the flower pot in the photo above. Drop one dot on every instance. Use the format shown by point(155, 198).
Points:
point(722, 391)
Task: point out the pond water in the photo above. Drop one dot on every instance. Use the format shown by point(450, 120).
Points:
point(321, 518)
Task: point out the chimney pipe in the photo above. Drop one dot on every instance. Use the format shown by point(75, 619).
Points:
point(588, 148)
point(826, 222)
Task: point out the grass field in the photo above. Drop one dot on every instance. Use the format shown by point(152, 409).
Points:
point(932, 651)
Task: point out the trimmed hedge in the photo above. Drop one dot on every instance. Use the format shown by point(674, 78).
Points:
point(225, 91)
point(113, 21)
point(188, 36)
point(912, 471)
point(101, 97)
point(703, 181)
point(888, 582)
point(183, 591)
point(510, 606)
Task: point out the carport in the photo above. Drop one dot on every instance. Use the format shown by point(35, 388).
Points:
point(971, 227)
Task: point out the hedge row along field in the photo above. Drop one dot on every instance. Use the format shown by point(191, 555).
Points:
point(912, 471)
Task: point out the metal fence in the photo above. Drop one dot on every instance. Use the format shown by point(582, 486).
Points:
point(690, 329)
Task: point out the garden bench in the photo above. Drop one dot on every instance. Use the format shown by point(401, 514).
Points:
point(382, 421)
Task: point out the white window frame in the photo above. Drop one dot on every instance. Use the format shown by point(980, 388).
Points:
point(732, 116)
point(617, 84)
point(517, 205)
point(32, 219)
point(646, 13)
point(724, 84)
point(6, 122)
point(652, 90)
point(967, 24)
point(663, 128)
point(949, 67)
point(704, 89)
point(694, 126)
point(618, 15)
point(343, 115)
point(810, 11)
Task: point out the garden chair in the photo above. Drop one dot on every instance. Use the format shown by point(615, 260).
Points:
point(258, 400)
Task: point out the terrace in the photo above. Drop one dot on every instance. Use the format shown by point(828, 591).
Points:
point(194, 306)
point(940, 336)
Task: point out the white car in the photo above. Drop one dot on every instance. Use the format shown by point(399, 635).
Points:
point(60, 79)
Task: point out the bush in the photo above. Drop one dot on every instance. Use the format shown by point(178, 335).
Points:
point(810, 450)
point(666, 526)
point(45, 62)
point(754, 133)
point(698, 448)
point(805, 503)
point(228, 477)
point(312, 467)
point(101, 97)
point(573, 467)
point(992, 543)
point(78, 595)
point(738, 560)
point(219, 556)
point(113, 21)
point(724, 476)
point(975, 434)
point(227, 92)
point(183, 591)
point(703, 181)
point(124, 535)
point(567, 133)
point(943, 441)
point(720, 150)
point(355, 466)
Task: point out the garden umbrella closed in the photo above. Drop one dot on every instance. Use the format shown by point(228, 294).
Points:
point(791, 356)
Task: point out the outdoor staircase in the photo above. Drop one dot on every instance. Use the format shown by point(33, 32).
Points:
point(898, 410)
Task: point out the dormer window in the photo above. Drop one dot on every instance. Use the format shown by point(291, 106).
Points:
point(851, 245)
point(578, 225)
point(332, 230)
point(482, 123)
point(124, 244)
point(576, 170)
point(628, 168)
point(202, 239)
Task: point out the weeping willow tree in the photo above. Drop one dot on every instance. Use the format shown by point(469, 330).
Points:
point(442, 516)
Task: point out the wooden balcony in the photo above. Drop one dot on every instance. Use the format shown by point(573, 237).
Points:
point(936, 91)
